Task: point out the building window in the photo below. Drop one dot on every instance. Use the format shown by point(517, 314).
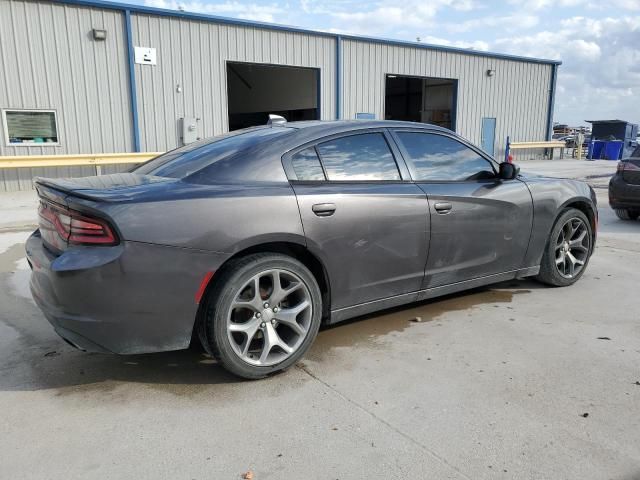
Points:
point(30, 127)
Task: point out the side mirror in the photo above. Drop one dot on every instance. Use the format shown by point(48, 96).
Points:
point(508, 171)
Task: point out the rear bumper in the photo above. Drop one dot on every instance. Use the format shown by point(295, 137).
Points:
point(131, 298)
point(623, 194)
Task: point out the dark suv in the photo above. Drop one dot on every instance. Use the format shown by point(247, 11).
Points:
point(624, 187)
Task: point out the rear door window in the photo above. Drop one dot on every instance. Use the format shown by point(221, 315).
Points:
point(361, 157)
point(307, 166)
point(442, 158)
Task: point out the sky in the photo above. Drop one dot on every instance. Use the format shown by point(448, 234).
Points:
point(598, 41)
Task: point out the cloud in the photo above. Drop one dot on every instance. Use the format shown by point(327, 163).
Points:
point(388, 16)
point(247, 11)
point(600, 75)
point(474, 45)
point(516, 22)
point(593, 5)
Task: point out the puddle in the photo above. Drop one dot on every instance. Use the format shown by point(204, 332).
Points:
point(190, 373)
point(10, 239)
point(9, 255)
point(372, 329)
point(19, 280)
point(70, 372)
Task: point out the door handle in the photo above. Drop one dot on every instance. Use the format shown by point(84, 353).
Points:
point(443, 207)
point(324, 209)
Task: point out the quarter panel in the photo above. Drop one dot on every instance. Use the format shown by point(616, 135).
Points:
point(550, 196)
point(222, 218)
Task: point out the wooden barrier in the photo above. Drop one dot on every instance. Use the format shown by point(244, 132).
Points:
point(551, 145)
point(96, 159)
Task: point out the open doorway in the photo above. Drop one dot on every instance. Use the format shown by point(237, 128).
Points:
point(256, 90)
point(421, 99)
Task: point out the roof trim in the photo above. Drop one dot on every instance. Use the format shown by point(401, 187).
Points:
point(163, 12)
point(607, 121)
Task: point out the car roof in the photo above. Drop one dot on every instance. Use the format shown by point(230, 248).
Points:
point(311, 130)
point(346, 125)
point(257, 156)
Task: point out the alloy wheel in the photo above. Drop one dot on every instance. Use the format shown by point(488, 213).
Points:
point(269, 317)
point(572, 248)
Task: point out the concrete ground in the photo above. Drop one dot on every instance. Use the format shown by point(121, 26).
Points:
point(514, 381)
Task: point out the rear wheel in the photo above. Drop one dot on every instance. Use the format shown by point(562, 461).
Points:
point(568, 249)
point(262, 315)
point(627, 213)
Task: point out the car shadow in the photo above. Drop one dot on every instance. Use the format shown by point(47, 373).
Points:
point(62, 366)
point(44, 361)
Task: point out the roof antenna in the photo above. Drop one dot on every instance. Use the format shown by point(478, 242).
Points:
point(276, 120)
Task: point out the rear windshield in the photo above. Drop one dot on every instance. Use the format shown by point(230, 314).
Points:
point(636, 152)
point(212, 152)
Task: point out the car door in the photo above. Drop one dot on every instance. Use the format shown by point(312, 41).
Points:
point(480, 224)
point(361, 215)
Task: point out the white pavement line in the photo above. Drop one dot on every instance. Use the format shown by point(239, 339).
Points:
point(30, 227)
point(384, 422)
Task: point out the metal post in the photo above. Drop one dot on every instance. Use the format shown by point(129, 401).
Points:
point(132, 81)
point(506, 151)
point(552, 96)
point(338, 77)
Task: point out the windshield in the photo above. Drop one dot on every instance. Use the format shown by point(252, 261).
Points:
point(187, 160)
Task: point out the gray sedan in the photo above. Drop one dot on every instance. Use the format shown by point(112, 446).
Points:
point(250, 241)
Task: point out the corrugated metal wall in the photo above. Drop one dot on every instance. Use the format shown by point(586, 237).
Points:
point(517, 96)
point(48, 60)
point(193, 54)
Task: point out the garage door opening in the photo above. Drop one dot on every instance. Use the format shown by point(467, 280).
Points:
point(257, 90)
point(421, 99)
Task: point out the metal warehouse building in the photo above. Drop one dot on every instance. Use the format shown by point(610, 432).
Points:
point(81, 76)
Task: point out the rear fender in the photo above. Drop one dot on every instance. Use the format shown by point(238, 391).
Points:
point(550, 198)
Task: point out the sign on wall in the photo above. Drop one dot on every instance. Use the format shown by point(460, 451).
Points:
point(145, 55)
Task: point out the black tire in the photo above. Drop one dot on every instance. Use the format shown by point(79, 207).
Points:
point(549, 272)
point(213, 323)
point(627, 213)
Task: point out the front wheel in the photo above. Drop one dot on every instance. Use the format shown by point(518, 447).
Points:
point(627, 213)
point(262, 315)
point(568, 249)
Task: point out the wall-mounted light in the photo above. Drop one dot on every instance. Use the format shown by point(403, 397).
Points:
point(99, 34)
point(491, 72)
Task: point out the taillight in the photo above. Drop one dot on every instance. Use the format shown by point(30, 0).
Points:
point(631, 167)
point(76, 228)
point(620, 168)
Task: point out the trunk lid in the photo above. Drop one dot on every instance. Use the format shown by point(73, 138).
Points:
point(62, 224)
point(114, 187)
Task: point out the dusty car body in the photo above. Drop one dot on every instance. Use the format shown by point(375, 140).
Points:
point(172, 228)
